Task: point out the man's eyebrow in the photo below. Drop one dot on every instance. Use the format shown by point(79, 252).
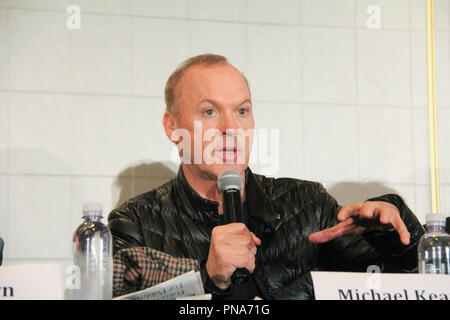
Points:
point(215, 103)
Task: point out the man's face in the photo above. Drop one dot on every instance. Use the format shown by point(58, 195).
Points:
point(214, 105)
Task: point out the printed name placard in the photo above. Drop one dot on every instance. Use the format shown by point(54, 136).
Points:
point(380, 286)
point(31, 282)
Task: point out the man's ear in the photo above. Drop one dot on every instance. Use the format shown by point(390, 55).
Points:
point(169, 123)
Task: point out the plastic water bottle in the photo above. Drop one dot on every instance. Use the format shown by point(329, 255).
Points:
point(92, 254)
point(434, 246)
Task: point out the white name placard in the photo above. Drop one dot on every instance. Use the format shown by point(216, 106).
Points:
point(31, 282)
point(380, 286)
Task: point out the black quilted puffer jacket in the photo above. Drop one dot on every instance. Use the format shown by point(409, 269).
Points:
point(174, 219)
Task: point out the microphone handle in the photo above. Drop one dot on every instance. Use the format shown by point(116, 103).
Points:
point(232, 208)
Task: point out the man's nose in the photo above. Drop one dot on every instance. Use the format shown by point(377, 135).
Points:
point(228, 124)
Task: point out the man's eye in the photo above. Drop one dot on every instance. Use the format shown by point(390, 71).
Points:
point(209, 112)
point(243, 112)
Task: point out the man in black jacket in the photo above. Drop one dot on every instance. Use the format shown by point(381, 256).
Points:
point(290, 228)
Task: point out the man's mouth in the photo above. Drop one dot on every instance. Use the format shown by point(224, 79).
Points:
point(226, 150)
point(227, 154)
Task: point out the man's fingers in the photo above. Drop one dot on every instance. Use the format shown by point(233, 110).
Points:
point(256, 240)
point(405, 237)
point(400, 226)
point(233, 245)
point(319, 237)
point(332, 233)
point(365, 216)
point(324, 235)
point(348, 211)
point(389, 218)
point(240, 257)
point(237, 229)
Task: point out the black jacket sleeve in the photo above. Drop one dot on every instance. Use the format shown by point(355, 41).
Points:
point(125, 226)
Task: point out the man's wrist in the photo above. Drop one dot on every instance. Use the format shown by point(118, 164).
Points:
point(222, 284)
point(210, 286)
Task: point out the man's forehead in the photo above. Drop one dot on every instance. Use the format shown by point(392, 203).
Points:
point(203, 73)
point(203, 77)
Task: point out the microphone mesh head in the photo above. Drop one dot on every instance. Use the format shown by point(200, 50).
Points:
point(230, 179)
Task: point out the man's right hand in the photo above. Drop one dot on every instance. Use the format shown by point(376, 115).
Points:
point(232, 246)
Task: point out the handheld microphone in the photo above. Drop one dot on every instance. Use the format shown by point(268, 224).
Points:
point(230, 184)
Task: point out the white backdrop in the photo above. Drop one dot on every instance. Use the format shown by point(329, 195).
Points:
point(81, 108)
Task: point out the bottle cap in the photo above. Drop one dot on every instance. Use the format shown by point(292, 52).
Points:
point(92, 209)
point(436, 219)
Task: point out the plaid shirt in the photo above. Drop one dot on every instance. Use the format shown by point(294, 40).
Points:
point(139, 268)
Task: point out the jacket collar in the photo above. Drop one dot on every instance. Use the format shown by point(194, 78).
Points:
point(258, 203)
point(187, 197)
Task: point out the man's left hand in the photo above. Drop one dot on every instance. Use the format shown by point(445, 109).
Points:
point(361, 217)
